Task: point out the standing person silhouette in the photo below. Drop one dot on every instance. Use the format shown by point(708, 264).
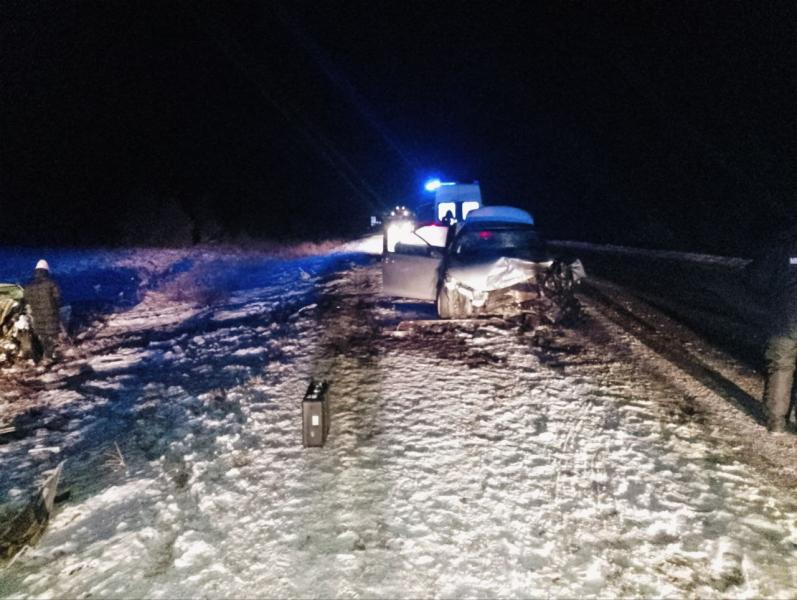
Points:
point(773, 275)
point(44, 299)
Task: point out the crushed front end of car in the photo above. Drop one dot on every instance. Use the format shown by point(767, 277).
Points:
point(509, 287)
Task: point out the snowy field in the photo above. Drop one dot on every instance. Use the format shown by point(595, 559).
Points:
point(464, 460)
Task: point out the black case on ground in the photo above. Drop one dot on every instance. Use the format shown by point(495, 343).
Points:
point(315, 415)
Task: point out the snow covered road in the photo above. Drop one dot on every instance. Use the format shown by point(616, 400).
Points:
point(464, 460)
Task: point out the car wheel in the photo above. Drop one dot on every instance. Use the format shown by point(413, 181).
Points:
point(444, 304)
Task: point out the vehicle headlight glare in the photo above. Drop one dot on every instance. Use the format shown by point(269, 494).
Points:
point(397, 232)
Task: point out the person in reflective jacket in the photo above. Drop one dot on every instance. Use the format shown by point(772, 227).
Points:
point(774, 276)
point(44, 299)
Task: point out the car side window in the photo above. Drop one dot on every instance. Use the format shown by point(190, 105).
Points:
point(418, 250)
point(411, 249)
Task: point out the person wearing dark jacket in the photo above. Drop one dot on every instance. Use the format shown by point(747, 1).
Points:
point(44, 299)
point(774, 276)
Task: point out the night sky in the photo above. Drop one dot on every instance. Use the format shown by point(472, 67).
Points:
point(657, 124)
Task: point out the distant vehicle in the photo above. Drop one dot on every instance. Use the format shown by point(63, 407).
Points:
point(398, 223)
point(452, 204)
point(495, 263)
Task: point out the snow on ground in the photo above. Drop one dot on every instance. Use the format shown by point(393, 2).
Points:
point(371, 244)
point(464, 460)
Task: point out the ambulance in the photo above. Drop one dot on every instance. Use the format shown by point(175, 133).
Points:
point(431, 220)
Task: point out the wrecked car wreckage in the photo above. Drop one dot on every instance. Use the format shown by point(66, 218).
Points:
point(16, 335)
point(495, 264)
point(512, 287)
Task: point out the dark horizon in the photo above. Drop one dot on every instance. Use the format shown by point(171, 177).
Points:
point(658, 125)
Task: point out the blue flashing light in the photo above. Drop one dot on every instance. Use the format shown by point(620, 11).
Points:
point(432, 185)
point(435, 184)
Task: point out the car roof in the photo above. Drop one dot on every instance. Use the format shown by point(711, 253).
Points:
point(500, 214)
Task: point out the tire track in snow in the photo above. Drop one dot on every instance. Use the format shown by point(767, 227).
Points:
point(714, 386)
point(660, 342)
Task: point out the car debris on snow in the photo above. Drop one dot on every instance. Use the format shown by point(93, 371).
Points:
point(28, 526)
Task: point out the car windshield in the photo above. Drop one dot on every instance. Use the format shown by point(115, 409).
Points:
point(521, 242)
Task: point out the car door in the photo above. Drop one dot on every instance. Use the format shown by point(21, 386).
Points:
point(412, 270)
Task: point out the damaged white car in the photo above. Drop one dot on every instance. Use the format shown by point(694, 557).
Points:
point(493, 264)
